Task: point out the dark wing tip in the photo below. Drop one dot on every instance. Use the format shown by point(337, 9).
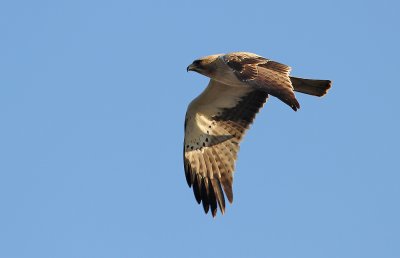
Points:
point(197, 189)
point(204, 195)
point(188, 173)
point(209, 193)
point(211, 196)
point(295, 105)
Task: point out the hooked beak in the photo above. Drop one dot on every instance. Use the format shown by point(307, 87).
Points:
point(190, 68)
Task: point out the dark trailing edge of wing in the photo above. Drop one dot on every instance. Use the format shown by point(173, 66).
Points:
point(246, 109)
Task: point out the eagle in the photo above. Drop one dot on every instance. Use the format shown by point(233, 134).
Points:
point(216, 120)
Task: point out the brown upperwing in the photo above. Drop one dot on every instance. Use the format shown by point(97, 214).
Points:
point(257, 71)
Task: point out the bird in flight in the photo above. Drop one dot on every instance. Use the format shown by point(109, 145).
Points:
point(215, 122)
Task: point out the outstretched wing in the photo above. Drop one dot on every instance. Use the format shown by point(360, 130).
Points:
point(264, 73)
point(214, 126)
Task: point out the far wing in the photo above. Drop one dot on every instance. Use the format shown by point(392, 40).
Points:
point(264, 73)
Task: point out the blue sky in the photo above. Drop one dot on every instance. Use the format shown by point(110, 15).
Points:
point(92, 101)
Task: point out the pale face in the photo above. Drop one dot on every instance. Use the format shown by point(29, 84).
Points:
point(204, 65)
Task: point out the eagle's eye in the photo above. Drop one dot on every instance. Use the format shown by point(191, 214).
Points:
point(197, 62)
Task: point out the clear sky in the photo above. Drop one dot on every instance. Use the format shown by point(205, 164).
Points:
point(92, 102)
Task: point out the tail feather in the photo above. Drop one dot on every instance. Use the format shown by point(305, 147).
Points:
point(312, 87)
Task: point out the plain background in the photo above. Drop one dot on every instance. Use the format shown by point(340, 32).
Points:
point(92, 101)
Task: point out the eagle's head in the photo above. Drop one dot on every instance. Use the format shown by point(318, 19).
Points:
point(205, 65)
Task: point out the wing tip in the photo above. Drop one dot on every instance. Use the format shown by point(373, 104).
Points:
point(210, 195)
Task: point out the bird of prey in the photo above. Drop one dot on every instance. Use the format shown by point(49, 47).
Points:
point(215, 122)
